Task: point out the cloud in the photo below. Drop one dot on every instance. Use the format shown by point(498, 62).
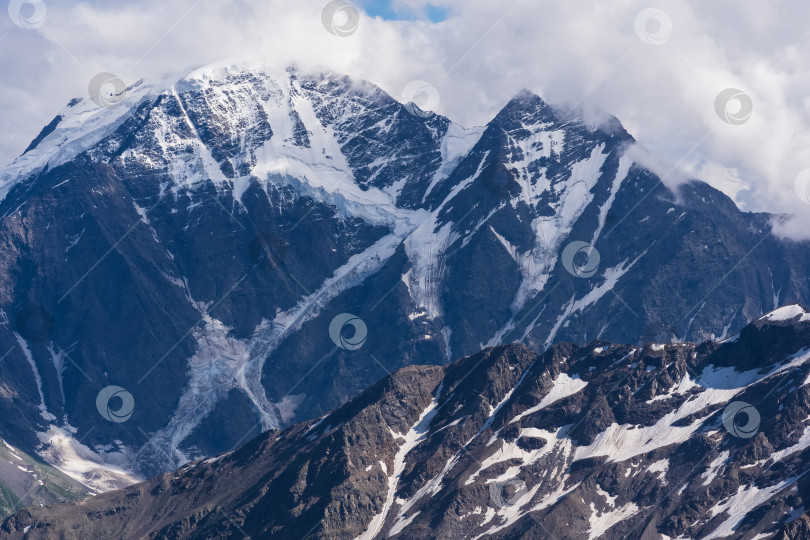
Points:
point(726, 179)
point(660, 75)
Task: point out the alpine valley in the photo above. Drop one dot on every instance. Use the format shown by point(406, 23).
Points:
point(192, 245)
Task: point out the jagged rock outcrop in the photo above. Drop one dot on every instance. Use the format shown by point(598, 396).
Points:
point(596, 441)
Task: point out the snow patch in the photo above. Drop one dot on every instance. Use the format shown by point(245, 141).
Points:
point(600, 523)
point(714, 468)
point(660, 468)
point(563, 386)
point(786, 313)
point(100, 472)
point(740, 504)
point(418, 432)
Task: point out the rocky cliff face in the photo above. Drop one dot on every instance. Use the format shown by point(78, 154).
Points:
point(172, 266)
point(596, 441)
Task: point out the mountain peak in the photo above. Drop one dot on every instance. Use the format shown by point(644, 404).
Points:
point(529, 107)
point(528, 103)
point(525, 95)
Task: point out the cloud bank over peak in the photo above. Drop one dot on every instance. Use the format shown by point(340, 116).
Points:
point(659, 67)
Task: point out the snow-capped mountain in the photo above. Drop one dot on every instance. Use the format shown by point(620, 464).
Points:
point(185, 253)
point(606, 441)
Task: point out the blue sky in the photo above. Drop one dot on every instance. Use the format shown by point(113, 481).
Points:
point(385, 10)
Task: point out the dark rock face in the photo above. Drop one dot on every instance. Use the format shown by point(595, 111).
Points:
point(796, 530)
point(193, 246)
point(598, 441)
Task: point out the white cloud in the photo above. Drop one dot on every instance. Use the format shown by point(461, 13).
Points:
point(570, 53)
point(726, 179)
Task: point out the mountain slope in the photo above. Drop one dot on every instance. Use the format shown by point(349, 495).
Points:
point(28, 481)
point(193, 245)
point(600, 441)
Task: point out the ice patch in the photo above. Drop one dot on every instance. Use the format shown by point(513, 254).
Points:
point(611, 278)
point(418, 432)
point(43, 410)
point(82, 126)
point(802, 444)
point(425, 248)
point(550, 232)
point(600, 523)
point(714, 468)
point(73, 240)
point(622, 442)
point(100, 472)
point(660, 468)
point(625, 162)
point(456, 144)
point(683, 386)
point(787, 313)
point(563, 386)
point(740, 504)
point(287, 406)
point(609, 500)
point(720, 384)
